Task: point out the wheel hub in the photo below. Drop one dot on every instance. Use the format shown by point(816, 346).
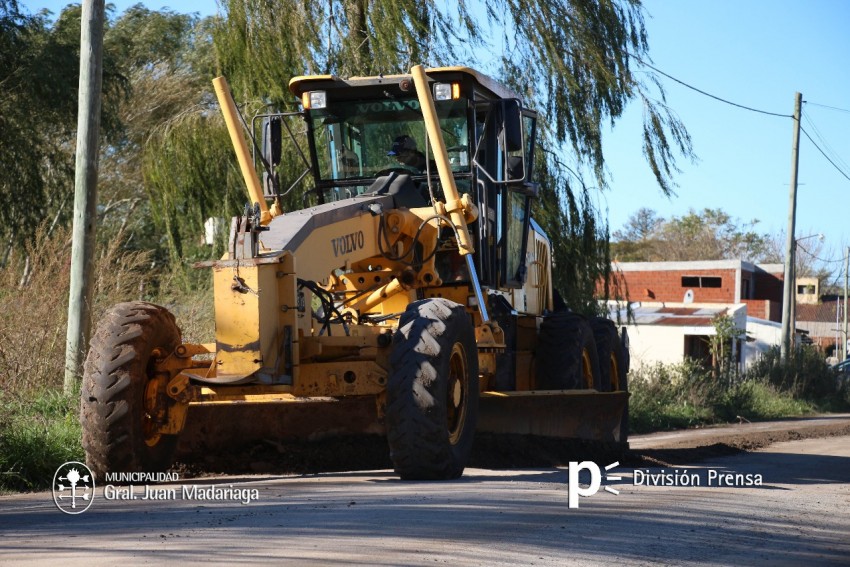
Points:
point(456, 392)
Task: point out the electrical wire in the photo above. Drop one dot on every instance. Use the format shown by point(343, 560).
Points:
point(827, 148)
point(815, 257)
point(830, 160)
point(702, 92)
point(826, 106)
point(824, 154)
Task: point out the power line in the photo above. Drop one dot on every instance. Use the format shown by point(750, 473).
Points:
point(835, 156)
point(818, 258)
point(702, 92)
point(751, 109)
point(824, 154)
point(829, 107)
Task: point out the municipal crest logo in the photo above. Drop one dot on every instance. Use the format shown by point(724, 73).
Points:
point(73, 488)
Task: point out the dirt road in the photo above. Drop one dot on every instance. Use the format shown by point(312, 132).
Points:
point(797, 515)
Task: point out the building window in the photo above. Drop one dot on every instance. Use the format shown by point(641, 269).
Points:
point(702, 281)
point(698, 349)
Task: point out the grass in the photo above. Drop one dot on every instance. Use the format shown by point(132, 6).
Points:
point(37, 435)
point(39, 425)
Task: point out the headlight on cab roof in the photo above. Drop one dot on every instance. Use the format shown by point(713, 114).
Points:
point(314, 99)
point(446, 91)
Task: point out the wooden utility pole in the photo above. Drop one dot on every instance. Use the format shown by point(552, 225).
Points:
point(844, 334)
point(85, 191)
point(789, 293)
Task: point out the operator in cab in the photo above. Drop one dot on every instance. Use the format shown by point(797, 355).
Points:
point(405, 151)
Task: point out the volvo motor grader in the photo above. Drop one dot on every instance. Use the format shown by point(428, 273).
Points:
point(424, 289)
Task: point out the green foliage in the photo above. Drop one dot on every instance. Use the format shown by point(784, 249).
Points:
point(687, 395)
point(141, 37)
point(758, 399)
point(36, 436)
point(668, 397)
point(710, 234)
point(720, 345)
point(806, 374)
point(190, 176)
point(39, 70)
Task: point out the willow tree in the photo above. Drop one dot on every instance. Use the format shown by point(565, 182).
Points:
point(576, 61)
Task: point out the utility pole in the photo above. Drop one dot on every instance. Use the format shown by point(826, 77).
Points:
point(844, 335)
point(789, 291)
point(85, 190)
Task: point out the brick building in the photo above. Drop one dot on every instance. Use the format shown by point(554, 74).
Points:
point(758, 286)
point(674, 303)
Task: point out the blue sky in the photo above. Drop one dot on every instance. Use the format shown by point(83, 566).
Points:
point(757, 53)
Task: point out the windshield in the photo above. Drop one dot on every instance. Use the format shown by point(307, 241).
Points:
point(364, 139)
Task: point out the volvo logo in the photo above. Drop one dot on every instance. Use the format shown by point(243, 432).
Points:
point(348, 243)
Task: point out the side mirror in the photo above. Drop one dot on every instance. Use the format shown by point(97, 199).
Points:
point(272, 140)
point(512, 125)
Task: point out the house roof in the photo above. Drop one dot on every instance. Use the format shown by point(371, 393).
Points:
point(825, 312)
point(699, 265)
point(697, 316)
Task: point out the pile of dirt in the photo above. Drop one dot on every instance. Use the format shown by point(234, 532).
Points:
point(727, 442)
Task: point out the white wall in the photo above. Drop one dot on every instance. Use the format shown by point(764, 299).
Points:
point(766, 335)
point(650, 344)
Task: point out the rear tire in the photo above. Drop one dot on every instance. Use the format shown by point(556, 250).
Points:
point(566, 355)
point(432, 393)
point(613, 362)
point(118, 385)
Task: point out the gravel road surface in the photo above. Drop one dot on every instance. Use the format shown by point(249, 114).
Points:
point(798, 515)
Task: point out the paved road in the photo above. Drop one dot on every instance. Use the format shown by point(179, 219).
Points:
point(798, 516)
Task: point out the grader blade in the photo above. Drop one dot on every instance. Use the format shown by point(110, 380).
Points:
point(571, 414)
point(234, 426)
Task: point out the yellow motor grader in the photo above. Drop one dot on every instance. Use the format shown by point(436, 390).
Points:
point(416, 279)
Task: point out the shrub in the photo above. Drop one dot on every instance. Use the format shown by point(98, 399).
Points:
point(686, 395)
point(806, 375)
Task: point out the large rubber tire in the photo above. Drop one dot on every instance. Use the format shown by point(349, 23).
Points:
point(566, 355)
point(623, 340)
point(432, 392)
point(613, 361)
point(117, 431)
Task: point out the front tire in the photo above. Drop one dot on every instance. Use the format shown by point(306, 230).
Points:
point(432, 393)
point(121, 395)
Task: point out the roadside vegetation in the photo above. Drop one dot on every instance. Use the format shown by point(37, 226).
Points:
point(39, 424)
point(691, 395)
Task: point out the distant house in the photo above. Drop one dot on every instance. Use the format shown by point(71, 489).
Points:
point(822, 322)
point(674, 305)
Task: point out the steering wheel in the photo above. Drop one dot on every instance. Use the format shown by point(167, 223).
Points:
point(397, 169)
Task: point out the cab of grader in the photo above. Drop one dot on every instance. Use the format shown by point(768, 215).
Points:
point(416, 279)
